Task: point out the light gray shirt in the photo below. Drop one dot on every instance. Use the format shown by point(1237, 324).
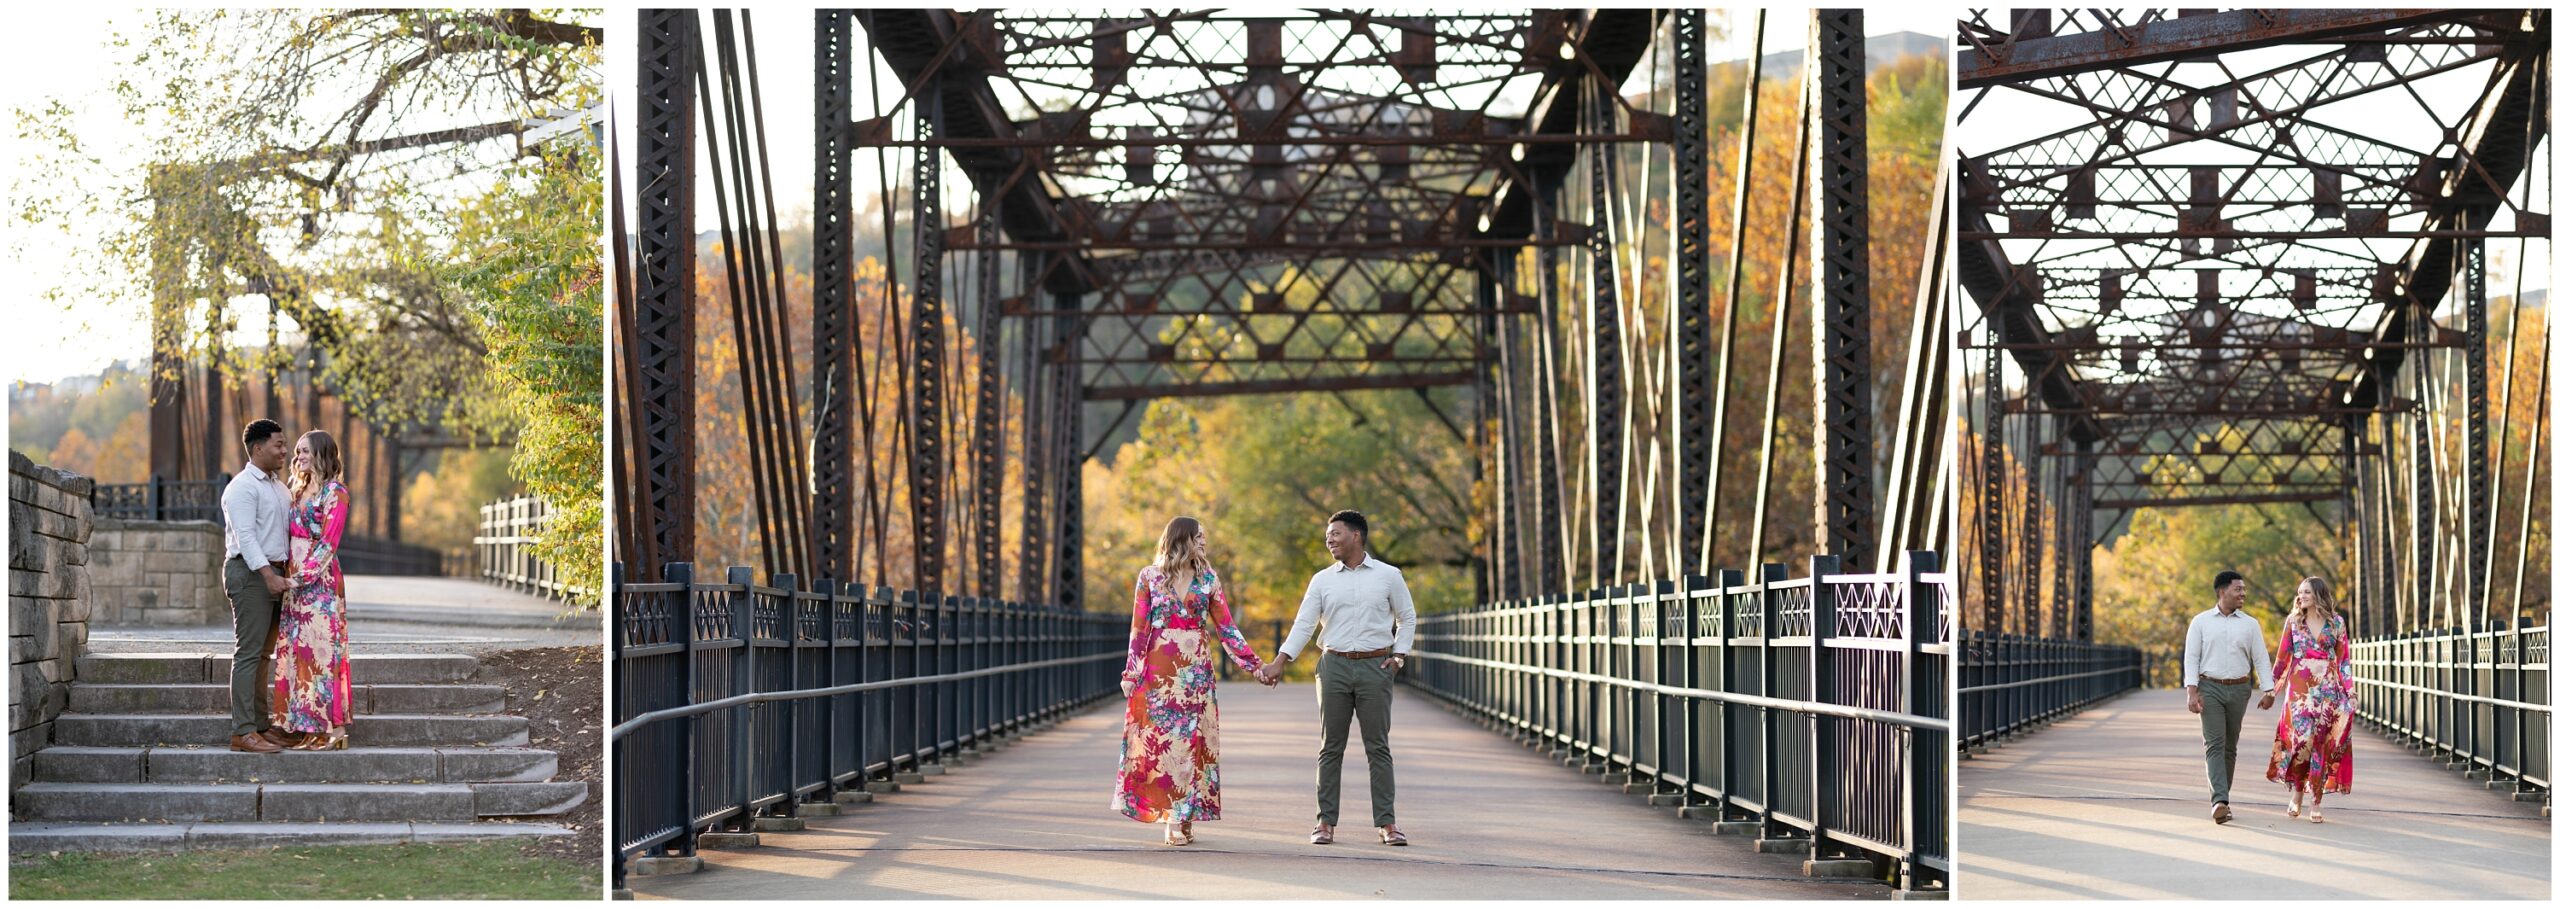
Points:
point(2227, 647)
point(1360, 609)
point(254, 512)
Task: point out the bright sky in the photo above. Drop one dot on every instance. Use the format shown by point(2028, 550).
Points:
point(45, 343)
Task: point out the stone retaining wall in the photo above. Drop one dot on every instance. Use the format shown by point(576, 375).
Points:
point(49, 527)
point(157, 573)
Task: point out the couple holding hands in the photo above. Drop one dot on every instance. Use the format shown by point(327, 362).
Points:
point(1169, 747)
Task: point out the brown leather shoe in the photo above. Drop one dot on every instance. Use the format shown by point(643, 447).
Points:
point(2222, 812)
point(281, 738)
point(254, 744)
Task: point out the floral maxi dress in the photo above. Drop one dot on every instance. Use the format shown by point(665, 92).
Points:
point(1169, 749)
point(313, 692)
point(2311, 750)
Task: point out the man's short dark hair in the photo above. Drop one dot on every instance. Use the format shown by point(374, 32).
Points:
point(2225, 578)
point(258, 432)
point(1353, 520)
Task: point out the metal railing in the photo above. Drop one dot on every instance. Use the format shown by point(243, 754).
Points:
point(2481, 698)
point(733, 700)
point(2009, 684)
point(201, 500)
point(157, 499)
point(504, 548)
point(1815, 706)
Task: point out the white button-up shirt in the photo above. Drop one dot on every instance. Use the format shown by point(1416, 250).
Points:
point(254, 511)
point(1361, 609)
point(2227, 647)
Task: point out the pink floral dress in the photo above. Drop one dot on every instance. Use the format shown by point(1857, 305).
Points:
point(2311, 749)
point(1169, 748)
point(313, 690)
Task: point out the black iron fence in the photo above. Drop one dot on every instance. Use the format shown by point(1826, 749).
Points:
point(201, 500)
point(2481, 698)
point(2009, 684)
point(1814, 706)
point(504, 548)
point(733, 700)
point(157, 499)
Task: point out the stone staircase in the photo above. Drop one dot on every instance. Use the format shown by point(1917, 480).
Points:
point(140, 761)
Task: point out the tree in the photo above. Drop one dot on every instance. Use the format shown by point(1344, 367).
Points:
point(306, 163)
point(531, 273)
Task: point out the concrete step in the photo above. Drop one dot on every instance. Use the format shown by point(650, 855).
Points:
point(375, 731)
point(395, 802)
point(369, 698)
point(37, 838)
point(215, 764)
point(215, 669)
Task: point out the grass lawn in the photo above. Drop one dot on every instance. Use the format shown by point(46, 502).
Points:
point(460, 871)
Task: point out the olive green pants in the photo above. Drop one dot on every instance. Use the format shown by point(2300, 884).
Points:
point(1348, 689)
point(2224, 705)
point(253, 624)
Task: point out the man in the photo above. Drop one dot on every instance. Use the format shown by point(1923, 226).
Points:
point(1367, 617)
point(2224, 648)
point(253, 543)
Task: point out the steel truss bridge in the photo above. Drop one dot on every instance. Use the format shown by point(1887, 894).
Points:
point(1075, 214)
point(2241, 259)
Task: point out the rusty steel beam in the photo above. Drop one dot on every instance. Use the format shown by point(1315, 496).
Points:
point(1276, 386)
point(662, 348)
point(1992, 62)
point(2277, 498)
point(1843, 393)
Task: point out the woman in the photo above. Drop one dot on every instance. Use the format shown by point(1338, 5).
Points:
point(313, 696)
point(2311, 752)
point(1169, 749)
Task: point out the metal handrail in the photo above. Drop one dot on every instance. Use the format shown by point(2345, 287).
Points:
point(1817, 708)
point(765, 697)
point(2048, 680)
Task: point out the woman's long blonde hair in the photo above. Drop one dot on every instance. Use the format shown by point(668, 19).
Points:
point(2321, 597)
point(325, 466)
point(1179, 556)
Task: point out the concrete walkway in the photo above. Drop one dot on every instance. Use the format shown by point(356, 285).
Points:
point(1489, 819)
point(388, 614)
point(2111, 804)
point(467, 602)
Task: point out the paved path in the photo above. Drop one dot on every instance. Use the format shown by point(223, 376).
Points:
point(389, 614)
point(1489, 820)
point(2110, 804)
point(467, 602)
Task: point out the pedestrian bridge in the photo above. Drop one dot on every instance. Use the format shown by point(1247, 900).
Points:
point(1032, 820)
point(2110, 804)
point(1780, 738)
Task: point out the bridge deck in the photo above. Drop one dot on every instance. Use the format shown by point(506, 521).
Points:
point(2110, 803)
point(1489, 819)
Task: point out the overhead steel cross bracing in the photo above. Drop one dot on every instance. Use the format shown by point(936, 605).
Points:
point(1245, 204)
point(2209, 268)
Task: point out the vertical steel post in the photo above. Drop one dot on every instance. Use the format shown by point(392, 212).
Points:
point(2084, 530)
point(1606, 401)
point(987, 422)
point(663, 349)
point(832, 317)
point(1691, 436)
point(1070, 476)
point(926, 460)
point(1844, 427)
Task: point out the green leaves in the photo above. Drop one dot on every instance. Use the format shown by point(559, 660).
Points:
point(530, 273)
